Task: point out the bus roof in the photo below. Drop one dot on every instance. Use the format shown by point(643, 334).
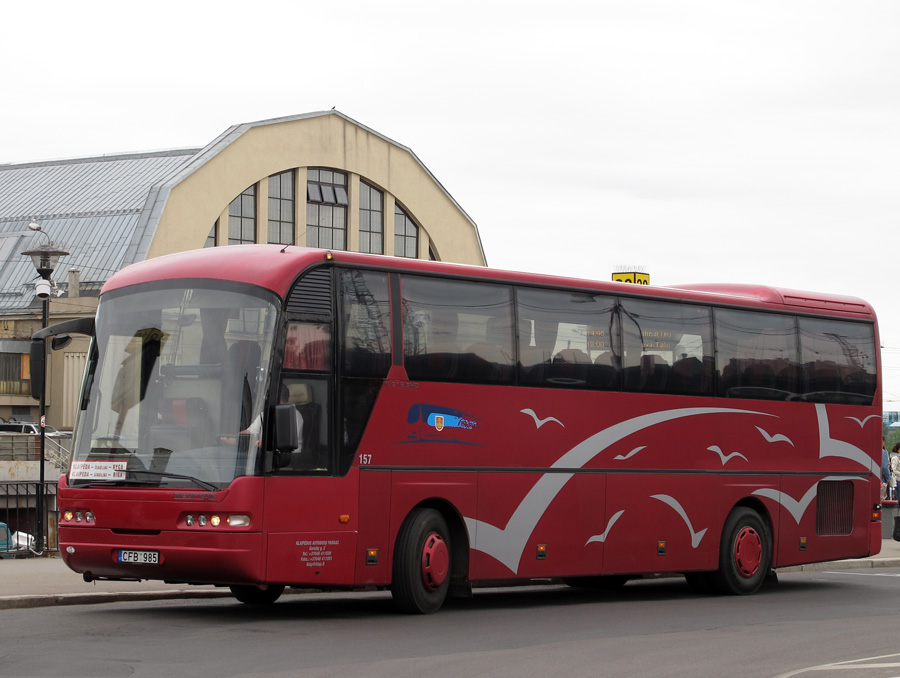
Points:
point(276, 267)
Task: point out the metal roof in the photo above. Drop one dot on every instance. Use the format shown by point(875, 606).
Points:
point(89, 207)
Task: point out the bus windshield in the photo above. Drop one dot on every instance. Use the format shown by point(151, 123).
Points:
point(175, 387)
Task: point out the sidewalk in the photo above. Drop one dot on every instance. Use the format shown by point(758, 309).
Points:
point(38, 582)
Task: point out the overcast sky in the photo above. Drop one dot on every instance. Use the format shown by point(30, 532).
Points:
point(718, 141)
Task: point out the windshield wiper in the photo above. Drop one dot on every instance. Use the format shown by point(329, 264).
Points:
point(163, 474)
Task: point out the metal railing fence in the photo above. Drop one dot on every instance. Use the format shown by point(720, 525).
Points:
point(18, 512)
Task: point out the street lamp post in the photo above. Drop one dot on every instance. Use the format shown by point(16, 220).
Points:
point(45, 258)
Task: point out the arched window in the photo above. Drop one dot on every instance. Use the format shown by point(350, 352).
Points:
point(281, 208)
point(371, 219)
point(242, 218)
point(406, 234)
point(326, 208)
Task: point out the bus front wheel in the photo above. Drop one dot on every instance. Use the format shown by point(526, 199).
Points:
point(421, 562)
point(257, 595)
point(745, 553)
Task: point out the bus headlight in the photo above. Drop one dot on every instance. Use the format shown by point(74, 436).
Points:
point(76, 516)
point(216, 520)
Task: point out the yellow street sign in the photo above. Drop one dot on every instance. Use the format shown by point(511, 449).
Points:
point(632, 277)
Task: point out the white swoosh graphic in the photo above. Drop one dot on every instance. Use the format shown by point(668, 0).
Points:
point(540, 422)
point(725, 459)
point(864, 421)
point(696, 537)
point(602, 537)
point(777, 438)
point(507, 544)
point(830, 447)
point(795, 508)
point(633, 452)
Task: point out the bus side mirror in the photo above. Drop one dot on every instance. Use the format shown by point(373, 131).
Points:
point(287, 434)
point(59, 334)
point(60, 341)
point(37, 359)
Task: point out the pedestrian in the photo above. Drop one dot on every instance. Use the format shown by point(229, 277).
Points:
point(895, 470)
point(885, 469)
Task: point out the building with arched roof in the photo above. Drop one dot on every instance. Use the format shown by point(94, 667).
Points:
point(318, 179)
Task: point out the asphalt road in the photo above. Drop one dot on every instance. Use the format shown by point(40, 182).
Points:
point(809, 620)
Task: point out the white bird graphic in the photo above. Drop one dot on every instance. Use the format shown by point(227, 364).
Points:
point(696, 537)
point(777, 438)
point(864, 421)
point(832, 447)
point(602, 537)
point(633, 452)
point(725, 458)
point(540, 422)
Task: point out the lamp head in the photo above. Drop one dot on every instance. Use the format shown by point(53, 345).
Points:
point(42, 288)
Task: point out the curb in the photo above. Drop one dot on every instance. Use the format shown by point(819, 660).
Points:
point(862, 563)
point(99, 597)
point(24, 602)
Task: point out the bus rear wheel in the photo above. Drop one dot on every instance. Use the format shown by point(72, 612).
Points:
point(257, 595)
point(422, 559)
point(745, 553)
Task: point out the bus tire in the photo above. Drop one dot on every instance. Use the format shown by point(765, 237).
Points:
point(422, 558)
point(256, 595)
point(745, 553)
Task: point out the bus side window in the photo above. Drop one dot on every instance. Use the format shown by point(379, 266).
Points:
point(366, 324)
point(457, 331)
point(308, 346)
point(562, 338)
point(838, 361)
point(753, 350)
point(668, 347)
point(309, 397)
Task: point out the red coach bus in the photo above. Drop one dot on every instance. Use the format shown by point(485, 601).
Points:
point(263, 417)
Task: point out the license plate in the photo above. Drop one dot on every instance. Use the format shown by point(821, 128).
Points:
point(139, 557)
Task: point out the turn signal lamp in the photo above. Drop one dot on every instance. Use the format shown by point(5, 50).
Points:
point(76, 516)
point(236, 520)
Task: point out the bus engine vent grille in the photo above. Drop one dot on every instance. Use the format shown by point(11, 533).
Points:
point(834, 512)
point(311, 294)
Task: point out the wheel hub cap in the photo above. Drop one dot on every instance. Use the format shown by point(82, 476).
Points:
point(748, 552)
point(435, 561)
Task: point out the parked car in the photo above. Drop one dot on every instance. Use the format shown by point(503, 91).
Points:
point(33, 428)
